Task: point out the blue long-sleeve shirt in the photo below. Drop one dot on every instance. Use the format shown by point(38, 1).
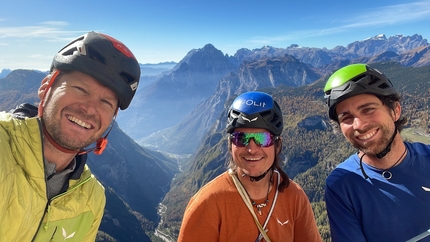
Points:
point(376, 209)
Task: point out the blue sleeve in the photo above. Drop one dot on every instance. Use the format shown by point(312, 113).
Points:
point(344, 224)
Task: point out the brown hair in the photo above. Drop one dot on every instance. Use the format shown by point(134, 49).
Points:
point(391, 101)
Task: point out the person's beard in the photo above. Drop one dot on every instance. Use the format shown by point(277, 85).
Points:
point(54, 128)
point(374, 147)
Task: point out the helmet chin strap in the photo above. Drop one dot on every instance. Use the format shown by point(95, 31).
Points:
point(387, 149)
point(257, 178)
point(379, 155)
point(98, 149)
point(55, 144)
point(101, 142)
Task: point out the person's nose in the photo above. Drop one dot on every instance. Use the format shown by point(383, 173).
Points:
point(358, 123)
point(89, 105)
point(252, 146)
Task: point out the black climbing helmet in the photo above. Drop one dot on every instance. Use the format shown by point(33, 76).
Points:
point(105, 59)
point(255, 110)
point(352, 80)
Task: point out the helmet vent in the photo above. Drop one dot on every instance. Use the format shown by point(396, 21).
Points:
point(266, 113)
point(277, 121)
point(127, 78)
point(359, 77)
point(95, 55)
point(70, 51)
point(384, 86)
point(373, 80)
point(236, 113)
point(71, 47)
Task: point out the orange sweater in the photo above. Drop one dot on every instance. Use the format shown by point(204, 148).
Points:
point(218, 213)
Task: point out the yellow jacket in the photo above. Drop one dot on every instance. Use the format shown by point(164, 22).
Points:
point(25, 212)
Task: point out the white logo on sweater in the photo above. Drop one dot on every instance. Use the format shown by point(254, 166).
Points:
point(426, 189)
point(282, 223)
point(67, 236)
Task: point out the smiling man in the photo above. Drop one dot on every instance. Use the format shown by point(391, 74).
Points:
point(379, 193)
point(254, 200)
point(48, 192)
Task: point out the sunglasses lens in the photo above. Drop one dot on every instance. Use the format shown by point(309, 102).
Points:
point(263, 139)
point(238, 139)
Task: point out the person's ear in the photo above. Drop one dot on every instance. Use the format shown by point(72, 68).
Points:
point(278, 147)
point(397, 111)
point(43, 86)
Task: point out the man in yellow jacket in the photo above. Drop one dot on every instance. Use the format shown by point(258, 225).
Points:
point(47, 191)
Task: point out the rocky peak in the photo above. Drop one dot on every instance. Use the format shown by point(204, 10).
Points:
point(206, 59)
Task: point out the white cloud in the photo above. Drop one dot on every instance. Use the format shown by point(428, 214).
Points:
point(374, 17)
point(416, 11)
point(50, 31)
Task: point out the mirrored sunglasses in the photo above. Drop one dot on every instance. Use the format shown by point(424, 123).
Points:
point(262, 139)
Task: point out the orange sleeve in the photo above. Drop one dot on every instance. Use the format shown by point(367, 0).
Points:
point(199, 222)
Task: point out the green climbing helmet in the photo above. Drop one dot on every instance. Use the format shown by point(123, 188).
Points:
point(352, 80)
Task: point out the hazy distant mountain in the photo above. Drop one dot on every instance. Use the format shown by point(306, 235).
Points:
point(380, 43)
point(320, 57)
point(164, 108)
point(139, 176)
point(271, 67)
point(120, 222)
point(18, 87)
point(149, 73)
point(170, 98)
point(4, 73)
point(417, 57)
point(251, 75)
point(156, 69)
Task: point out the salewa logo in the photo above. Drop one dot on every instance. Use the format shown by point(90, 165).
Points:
point(247, 119)
point(282, 223)
point(67, 236)
point(426, 189)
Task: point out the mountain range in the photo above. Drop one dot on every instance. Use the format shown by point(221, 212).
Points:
point(311, 148)
point(170, 141)
point(259, 68)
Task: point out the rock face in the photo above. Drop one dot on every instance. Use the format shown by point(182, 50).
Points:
point(190, 101)
point(313, 123)
point(259, 68)
point(166, 101)
point(251, 75)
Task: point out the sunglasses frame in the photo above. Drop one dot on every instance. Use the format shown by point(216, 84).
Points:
point(233, 138)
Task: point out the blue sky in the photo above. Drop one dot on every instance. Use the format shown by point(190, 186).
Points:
point(31, 32)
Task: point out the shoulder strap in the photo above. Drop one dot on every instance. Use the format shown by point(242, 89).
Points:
point(245, 198)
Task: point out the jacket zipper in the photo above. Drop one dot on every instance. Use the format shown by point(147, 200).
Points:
point(43, 157)
point(45, 212)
